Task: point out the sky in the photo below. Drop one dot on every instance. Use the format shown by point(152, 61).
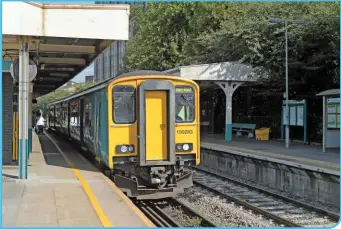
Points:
point(86, 72)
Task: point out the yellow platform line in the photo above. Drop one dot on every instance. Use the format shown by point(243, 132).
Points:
point(93, 200)
point(293, 158)
point(130, 204)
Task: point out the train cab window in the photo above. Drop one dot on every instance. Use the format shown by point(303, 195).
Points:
point(123, 105)
point(184, 104)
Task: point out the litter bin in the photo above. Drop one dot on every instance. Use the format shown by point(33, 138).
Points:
point(262, 134)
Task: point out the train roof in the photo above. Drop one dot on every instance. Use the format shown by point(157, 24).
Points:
point(105, 83)
point(143, 73)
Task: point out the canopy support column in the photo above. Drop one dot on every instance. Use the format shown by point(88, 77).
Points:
point(30, 117)
point(23, 107)
point(324, 120)
point(228, 88)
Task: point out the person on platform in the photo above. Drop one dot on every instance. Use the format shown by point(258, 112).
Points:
point(40, 124)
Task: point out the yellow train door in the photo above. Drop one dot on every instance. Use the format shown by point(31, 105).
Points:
point(156, 101)
point(156, 125)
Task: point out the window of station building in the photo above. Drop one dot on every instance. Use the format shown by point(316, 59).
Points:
point(123, 104)
point(184, 104)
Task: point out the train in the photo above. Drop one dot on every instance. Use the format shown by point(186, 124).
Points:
point(142, 127)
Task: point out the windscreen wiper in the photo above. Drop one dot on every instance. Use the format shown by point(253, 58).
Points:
point(186, 101)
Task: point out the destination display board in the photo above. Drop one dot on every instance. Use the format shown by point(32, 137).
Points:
point(183, 90)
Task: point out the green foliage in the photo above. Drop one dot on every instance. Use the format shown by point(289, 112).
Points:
point(167, 35)
point(44, 100)
point(312, 47)
point(172, 34)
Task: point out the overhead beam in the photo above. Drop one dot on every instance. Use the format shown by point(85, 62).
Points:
point(52, 60)
point(52, 69)
point(52, 48)
point(9, 38)
point(45, 85)
point(43, 79)
point(72, 61)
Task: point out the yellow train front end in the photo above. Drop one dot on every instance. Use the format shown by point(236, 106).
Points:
point(154, 135)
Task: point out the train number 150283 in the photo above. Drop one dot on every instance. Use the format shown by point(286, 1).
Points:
point(184, 131)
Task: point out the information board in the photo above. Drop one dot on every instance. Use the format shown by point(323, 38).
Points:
point(300, 115)
point(333, 113)
point(297, 115)
point(292, 115)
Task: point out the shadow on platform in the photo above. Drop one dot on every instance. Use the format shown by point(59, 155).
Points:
point(53, 157)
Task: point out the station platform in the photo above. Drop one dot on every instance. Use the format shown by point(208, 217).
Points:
point(310, 155)
point(64, 189)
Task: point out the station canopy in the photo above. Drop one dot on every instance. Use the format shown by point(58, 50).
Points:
point(63, 39)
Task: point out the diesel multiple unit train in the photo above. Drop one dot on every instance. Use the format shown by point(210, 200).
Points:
point(142, 126)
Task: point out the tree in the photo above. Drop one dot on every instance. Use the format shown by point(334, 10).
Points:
point(44, 100)
point(172, 34)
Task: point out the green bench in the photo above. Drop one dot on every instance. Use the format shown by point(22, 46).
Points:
point(244, 127)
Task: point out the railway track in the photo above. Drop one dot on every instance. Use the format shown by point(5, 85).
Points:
point(165, 213)
point(281, 209)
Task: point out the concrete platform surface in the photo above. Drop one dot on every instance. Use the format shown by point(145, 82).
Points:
point(64, 189)
point(310, 155)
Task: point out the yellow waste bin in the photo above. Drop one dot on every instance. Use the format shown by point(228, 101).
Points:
point(262, 134)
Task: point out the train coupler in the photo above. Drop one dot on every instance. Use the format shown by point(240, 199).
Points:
point(133, 190)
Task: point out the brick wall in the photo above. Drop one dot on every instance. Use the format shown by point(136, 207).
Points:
point(7, 118)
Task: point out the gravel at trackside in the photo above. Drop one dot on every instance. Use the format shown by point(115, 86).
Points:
point(325, 206)
point(221, 212)
point(183, 219)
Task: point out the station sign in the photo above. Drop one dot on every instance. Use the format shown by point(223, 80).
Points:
point(333, 100)
point(14, 70)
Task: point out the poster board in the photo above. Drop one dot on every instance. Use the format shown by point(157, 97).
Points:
point(300, 115)
point(297, 115)
point(333, 113)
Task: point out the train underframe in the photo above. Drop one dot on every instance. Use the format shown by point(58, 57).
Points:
point(153, 182)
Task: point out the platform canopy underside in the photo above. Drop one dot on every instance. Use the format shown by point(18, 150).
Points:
point(63, 38)
point(58, 59)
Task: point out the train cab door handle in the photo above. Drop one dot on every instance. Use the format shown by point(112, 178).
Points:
point(137, 136)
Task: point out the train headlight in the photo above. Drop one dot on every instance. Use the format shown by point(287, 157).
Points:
point(125, 148)
point(131, 148)
point(184, 147)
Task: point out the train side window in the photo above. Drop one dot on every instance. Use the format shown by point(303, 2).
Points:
point(74, 120)
point(123, 104)
point(87, 110)
point(184, 104)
